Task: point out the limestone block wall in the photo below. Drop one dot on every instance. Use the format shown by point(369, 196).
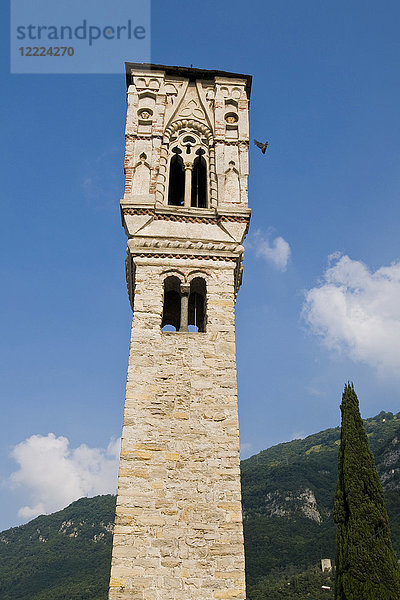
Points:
point(178, 531)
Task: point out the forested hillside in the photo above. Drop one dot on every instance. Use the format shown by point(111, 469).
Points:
point(63, 556)
point(288, 493)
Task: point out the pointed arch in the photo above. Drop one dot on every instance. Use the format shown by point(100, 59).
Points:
point(199, 182)
point(197, 305)
point(171, 318)
point(176, 188)
point(206, 141)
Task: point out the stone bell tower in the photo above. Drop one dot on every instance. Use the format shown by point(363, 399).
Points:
point(178, 529)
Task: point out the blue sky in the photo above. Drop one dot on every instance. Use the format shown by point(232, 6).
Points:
point(326, 95)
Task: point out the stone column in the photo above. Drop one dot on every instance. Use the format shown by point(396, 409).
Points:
point(185, 290)
point(188, 183)
point(213, 177)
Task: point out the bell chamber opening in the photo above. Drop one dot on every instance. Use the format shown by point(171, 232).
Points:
point(176, 189)
point(184, 305)
point(199, 181)
point(171, 318)
point(188, 171)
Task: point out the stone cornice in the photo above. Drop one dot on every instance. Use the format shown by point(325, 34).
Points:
point(182, 256)
point(187, 215)
point(179, 247)
point(199, 219)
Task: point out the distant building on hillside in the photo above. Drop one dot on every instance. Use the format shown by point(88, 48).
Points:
point(326, 565)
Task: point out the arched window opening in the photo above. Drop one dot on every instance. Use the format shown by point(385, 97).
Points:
point(197, 305)
point(199, 181)
point(176, 189)
point(171, 319)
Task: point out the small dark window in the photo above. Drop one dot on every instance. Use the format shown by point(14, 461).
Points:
point(176, 190)
point(197, 305)
point(171, 319)
point(199, 181)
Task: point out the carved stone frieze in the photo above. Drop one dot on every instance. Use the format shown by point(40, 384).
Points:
point(218, 218)
point(184, 256)
point(239, 143)
point(135, 136)
point(192, 244)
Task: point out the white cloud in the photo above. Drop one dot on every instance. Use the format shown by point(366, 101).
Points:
point(298, 435)
point(54, 475)
point(357, 311)
point(275, 251)
point(246, 449)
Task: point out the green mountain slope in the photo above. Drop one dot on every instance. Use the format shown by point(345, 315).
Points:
point(288, 493)
point(63, 556)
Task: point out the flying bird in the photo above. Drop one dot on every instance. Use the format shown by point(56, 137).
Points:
point(261, 145)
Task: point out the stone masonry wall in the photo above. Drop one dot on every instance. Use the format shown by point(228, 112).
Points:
point(178, 532)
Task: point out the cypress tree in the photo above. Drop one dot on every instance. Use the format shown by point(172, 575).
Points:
point(366, 565)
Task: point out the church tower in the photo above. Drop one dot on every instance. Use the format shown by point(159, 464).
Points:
point(178, 530)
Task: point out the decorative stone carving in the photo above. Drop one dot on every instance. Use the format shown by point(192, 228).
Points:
point(147, 83)
point(190, 107)
point(172, 92)
point(145, 113)
point(210, 97)
point(189, 125)
point(187, 244)
point(141, 176)
point(232, 185)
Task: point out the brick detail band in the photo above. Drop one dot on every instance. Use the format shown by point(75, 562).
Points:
point(188, 256)
point(184, 218)
point(147, 136)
